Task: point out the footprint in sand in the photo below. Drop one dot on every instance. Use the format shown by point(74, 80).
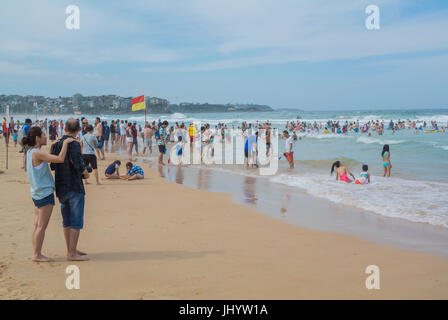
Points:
point(18, 181)
point(146, 295)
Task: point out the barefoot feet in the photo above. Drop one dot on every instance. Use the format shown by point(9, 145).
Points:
point(42, 258)
point(77, 258)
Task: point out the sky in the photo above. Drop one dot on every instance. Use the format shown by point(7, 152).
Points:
point(307, 54)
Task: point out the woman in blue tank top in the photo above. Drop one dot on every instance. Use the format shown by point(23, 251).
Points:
point(42, 184)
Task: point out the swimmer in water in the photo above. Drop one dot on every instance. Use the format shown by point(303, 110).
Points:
point(387, 165)
point(342, 172)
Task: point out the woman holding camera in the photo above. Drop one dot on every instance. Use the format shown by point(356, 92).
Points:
point(42, 184)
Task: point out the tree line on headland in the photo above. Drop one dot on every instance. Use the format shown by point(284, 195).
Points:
point(112, 104)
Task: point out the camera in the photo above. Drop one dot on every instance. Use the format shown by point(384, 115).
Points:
point(89, 169)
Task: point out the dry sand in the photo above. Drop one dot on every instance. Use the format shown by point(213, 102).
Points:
point(153, 239)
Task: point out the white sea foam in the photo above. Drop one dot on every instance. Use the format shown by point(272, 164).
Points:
point(418, 201)
point(178, 115)
point(441, 119)
point(322, 135)
point(370, 140)
point(277, 120)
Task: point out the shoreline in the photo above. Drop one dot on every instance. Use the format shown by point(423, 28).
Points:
point(155, 239)
point(323, 214)
point(284, 203)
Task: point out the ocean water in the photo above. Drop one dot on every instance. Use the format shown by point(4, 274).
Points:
point(417, 190)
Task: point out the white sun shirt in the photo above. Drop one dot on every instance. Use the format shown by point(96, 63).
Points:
point(288, 144)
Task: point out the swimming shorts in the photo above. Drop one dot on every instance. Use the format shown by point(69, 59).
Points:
point(289, 156)
point(100, 142)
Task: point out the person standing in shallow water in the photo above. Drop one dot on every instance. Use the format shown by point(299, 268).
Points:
point(162, 142)
point(42, 185)
point(387, 165)
point(99, 137)
point(289, 151)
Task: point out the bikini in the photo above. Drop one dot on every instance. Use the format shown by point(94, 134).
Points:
point(385, 163)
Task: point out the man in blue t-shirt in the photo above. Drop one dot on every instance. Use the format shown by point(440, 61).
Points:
point(26, 127)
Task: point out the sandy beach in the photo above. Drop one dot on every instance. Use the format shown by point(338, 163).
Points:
point(155, 239)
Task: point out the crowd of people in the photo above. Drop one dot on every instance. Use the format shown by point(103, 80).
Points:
point(341, 127)
point(72, 158)
point(77, 145)
point(100, 136)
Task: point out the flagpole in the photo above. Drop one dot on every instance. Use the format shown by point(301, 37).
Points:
point(145, 116)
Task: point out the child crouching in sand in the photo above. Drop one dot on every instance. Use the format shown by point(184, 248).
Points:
point(134, 172)
point(112, 171)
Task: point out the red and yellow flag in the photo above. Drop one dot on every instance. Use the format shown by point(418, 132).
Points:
point(138, 103)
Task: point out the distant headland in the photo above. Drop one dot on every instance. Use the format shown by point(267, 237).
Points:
point(113, 104)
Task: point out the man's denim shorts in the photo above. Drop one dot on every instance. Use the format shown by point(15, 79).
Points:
point(45, 201)
point(72, 209)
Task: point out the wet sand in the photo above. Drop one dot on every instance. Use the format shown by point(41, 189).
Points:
point(155, 239)
point(290, 205)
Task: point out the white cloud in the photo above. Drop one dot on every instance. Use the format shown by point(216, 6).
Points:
point(9, 68)
point(102, 38)
point(209, 35)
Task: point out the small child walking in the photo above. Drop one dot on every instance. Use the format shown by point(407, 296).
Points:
point(14, 138)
